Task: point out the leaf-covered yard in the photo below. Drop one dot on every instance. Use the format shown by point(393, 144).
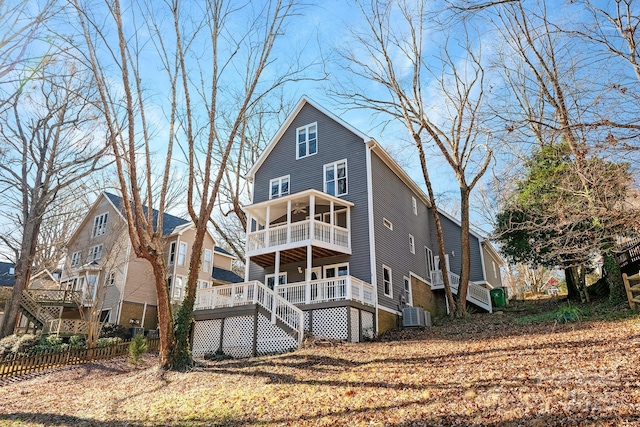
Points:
point(486, 370)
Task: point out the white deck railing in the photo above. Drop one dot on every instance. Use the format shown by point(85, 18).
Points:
point(239, 294)
point(298, 232)
point(476, 294)
point(325, 290)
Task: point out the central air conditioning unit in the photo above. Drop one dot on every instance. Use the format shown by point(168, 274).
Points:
point(415, 316)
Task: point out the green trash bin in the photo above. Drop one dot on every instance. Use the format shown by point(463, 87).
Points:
point(497, 297)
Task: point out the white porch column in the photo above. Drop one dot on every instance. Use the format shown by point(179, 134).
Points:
point(349, 284)
point(349, 227)
point(289, 221)
point(276, 281)
point(247, 247)
point(266, 227)
point(307, 286)
point(332, 238)
point(312, 214)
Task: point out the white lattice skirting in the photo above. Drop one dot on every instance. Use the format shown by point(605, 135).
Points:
point(238, 337)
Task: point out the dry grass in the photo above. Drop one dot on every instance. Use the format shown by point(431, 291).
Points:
point(483, 371)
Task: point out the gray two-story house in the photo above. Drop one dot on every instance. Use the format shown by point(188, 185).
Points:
point(337, 230)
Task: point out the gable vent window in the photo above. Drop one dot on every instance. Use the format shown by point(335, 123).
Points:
point(412, 244)
point(307, 143)
point(100, 225)
point(387, 223)
point(414, 205)
point(335, 178)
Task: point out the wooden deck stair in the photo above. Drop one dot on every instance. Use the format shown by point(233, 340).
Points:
point(632, 286)
point(476, 294)
point(35, 305)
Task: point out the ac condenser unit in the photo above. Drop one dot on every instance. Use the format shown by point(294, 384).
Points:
point(413, 316)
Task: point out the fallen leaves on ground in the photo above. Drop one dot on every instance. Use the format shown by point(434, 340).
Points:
point(483, 371)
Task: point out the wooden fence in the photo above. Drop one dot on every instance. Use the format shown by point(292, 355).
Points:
point(52, 358)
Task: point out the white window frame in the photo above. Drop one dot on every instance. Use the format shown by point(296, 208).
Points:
point(100, 224)
point(389, 282)
point(273, 275)
point(172, 253)
point(112, 279)
point(75, 258)
point(387, 223)
point(412, 244)
point(206, 263)
point(335, 179)
point(108, 316)
point(495, 272)
point(408, 292)
point(178, 285)
point(305, 129)
point(430, 261)
point(337, 267)
point(95, 253)
point(280, 180)
point(182, 254)
point(414, 205)
point(202, 284)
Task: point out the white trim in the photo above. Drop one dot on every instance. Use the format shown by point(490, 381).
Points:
point(175, 251)
point(484, 270)
point(414, 205)
point(279, 180)
point(387, 223)
point(390, 294)
point(204, 260)
point(93, 252)
point(335, 177)
point(371, 225)
point(186, 248)
point(306, 131)
point(336, 266)
point(99, 227)
point(75, 260)
point(301, 103)
point(409, 300)
point(412, 274)
point(388, 310)
point(275, 283)
point(459, 224)
point(412, 244)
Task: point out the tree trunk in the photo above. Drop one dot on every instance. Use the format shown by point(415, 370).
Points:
point(165, 319)
point(613, 276)
point(23, 270)
point(465, 261)
point(572, 287)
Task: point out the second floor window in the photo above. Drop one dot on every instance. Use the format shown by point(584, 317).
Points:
point(307, 142)
point(75, 258)
point(99, 225)
point(412, 244)
point(279, 187)
point(95, 253)
point(182, 254)
point(335, 178)
point(206, 261)
point(172, 253)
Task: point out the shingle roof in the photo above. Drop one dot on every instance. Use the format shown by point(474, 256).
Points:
point(226, 276)
point(6, 279)
point(169, 222)
point(222, 251)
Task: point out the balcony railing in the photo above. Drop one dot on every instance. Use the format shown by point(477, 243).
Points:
point(68, 327)
point(299, 232)
point(476, 294)
point(325, 290)
point(55, 296)
point(239, 294)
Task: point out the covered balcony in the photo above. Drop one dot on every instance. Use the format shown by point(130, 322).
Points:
point(298, 224)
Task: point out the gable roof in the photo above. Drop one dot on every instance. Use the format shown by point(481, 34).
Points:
point(221, 251)
point(222, 275)
point(301, 103)
point(170, 223)
point(6, 278)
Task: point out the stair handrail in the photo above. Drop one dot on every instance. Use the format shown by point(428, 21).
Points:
point(29, 304)
point(282, 309)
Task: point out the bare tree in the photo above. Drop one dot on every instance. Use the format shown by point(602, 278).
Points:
point(409, 80)
point(52, 140)
point(213, 60)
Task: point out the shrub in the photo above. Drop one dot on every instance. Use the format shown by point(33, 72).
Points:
point(569, 313)
point(137, 347)
point(107, 342)
point(26, 344)
point(77, 342)
point(7, 343)
point(114, 331)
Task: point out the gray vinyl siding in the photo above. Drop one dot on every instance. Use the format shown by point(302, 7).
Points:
point(451, 234)
point(392, 200)
point(495, 280)
point(335, 142)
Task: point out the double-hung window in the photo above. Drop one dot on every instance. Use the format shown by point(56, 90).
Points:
point(414, 205)
point(95, 253)
point(412, 244)
point(182, 254)
point(279, 187)
point(335, 178)
point(307, 142)
point(172, 253)
point(206, 261)
point(407, 291)
point(386, 281)
point(100, 225)
point(75, 258)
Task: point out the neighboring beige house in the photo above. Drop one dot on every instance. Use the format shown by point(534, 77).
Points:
point(102, 265)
